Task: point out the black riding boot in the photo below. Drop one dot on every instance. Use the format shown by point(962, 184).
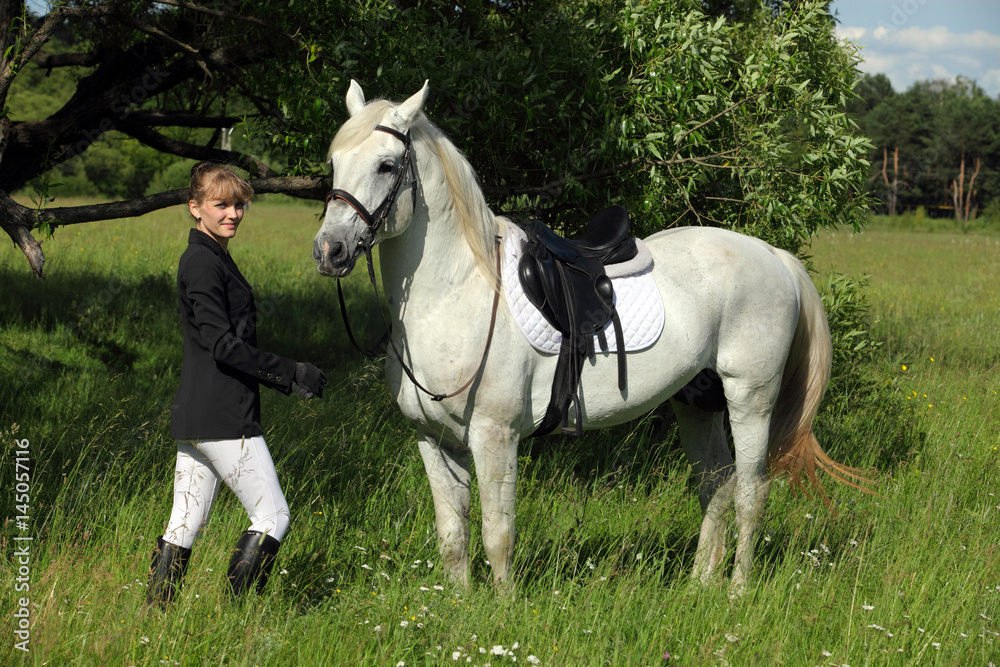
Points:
point(165, 572)
point(252, 561)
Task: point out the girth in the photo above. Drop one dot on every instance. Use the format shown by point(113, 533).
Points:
point(565, 279)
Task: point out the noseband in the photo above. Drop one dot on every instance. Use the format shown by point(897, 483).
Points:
point(374, 220)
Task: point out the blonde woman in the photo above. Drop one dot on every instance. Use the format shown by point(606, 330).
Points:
point(216, 413)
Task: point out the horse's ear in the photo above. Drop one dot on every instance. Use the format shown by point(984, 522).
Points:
point(355, 98)
point(407, 111)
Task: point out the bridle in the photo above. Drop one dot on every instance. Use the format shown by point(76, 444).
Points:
point(373, 222)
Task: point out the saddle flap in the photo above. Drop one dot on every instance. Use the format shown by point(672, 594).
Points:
point(575, 298)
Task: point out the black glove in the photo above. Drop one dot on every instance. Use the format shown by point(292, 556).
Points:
point(309, 380)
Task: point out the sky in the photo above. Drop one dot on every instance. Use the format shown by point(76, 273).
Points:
point(917, 40)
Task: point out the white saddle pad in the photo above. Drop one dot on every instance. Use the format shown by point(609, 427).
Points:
point(637, 301)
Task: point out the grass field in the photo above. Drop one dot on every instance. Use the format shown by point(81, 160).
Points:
point(606, 524)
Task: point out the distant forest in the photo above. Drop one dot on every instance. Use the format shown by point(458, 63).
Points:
point(937, 146)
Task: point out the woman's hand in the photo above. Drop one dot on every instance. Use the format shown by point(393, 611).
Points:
point(309, 380)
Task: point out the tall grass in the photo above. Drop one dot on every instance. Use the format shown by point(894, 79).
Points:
point(607, 524)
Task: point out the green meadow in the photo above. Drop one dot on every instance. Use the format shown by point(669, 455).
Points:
point(607, 524)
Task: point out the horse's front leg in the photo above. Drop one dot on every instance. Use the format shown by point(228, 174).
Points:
point(494, 449)
point(449, 473)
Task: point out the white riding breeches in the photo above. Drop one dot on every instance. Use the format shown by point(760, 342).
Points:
point(245, 466)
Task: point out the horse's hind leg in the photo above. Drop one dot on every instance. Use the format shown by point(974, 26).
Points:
point(449, 473)
point(750, 406)
point(704, 441)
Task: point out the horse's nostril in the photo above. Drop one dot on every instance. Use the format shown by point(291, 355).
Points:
point(324, 250)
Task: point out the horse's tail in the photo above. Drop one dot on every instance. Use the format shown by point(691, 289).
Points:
point(793, 448)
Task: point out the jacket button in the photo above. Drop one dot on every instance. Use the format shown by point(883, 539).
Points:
point(270, 377)
point(277, 379)
point(260, 374)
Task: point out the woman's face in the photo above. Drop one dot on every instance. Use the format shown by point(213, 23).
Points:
point(218, 218)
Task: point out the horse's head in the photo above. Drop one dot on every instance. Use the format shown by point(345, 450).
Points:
point(372, 163)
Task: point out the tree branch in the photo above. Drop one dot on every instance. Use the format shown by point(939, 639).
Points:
point(180, 4)
point(295, 186)
point(53, 60)
point(165, 144)
point(160, 118)
point(16, 221)
point(42, 35)
point(156, 33)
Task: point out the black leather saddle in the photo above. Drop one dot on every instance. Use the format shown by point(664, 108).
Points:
point(565, 279)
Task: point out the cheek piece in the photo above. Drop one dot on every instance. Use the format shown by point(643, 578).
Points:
point(374, 220)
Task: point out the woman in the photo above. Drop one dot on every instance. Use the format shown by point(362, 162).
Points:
point(216, 412)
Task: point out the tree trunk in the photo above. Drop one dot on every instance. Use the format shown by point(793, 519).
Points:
point(958, 188)
point(894, 192)
point(970, 212)
point(892, 188)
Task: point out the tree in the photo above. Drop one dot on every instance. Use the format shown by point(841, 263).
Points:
point(563, 106)
point(151, 67)
point(938, 144)
point(966, 130)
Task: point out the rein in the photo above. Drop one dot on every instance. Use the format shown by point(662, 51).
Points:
point(374, 222)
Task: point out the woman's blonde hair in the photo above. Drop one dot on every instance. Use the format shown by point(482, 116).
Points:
point(212, 180)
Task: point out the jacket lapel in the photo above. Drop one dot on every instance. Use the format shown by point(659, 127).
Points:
point(198, 237)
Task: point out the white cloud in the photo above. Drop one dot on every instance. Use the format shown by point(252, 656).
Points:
point(912, 54)
point(850, 34)
point(938, 38)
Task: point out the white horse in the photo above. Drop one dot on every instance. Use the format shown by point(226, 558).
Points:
point(733, 304)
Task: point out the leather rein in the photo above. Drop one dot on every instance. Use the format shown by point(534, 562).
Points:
point(374, 221)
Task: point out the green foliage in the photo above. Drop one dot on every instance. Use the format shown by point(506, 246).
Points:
point(731, 118)
point(847, 312)
point(681, 117)
point(121, 167)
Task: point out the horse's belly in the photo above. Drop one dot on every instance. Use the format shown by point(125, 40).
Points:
point(653, 377)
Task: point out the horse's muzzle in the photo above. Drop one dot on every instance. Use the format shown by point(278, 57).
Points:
point(332, 258)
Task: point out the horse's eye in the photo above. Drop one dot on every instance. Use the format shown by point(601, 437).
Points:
point(385, 168)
